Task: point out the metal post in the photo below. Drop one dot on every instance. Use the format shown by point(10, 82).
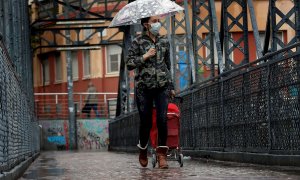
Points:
point(217, 36)
point(168, 19)
point(255, 29)
point(273, 24)
point(70, 99)
point(189, 41)
point(173, 50)
point(245, 32)
point(75, 129)
point(225, 34)
point(123, 90)
point(267, 32)
point(122, 94)
point(71, 108)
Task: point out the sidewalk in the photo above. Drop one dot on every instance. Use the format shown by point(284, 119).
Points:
point(110, 165)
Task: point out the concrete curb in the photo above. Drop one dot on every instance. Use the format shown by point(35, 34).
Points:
point(243, 157)
point(18, 171)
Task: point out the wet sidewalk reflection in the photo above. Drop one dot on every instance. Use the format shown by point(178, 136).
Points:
point(109, 165)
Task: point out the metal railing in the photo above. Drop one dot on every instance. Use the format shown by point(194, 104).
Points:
point(254, 108)
point(55, 105)
point(19, 132)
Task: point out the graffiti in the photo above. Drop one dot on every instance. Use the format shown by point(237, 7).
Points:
point(92, 142)
point(55, 130)
point(59, 140)
point(55, 134)
point(91, 134)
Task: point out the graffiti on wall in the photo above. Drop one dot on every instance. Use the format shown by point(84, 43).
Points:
point(55, 133)
point(59, 140)
point(91, 134)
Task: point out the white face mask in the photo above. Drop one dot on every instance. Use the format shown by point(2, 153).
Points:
point(155, 27)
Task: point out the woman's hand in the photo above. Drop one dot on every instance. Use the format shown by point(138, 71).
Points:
point(149, 54)
point(172, 94)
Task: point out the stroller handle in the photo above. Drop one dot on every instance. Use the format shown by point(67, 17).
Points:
point(178, 98)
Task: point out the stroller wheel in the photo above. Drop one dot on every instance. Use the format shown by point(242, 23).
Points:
point(153, 160)
point(180, 159)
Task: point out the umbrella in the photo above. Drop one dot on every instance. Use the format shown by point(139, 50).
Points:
point(133, 12)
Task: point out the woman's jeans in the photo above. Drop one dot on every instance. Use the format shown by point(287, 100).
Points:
point(145, 99)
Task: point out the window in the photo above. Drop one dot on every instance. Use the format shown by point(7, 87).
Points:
point(47, 108)
point(88, 32)
point(74, 65)
point(86, 63)
point(59, 108)
point(181, 50)
point(46, 71)
point(104, 33)
point(58, 68)
point(180, 42)
point(77, 107)
point(279, 35)
point(208, 53)
point(113, 59)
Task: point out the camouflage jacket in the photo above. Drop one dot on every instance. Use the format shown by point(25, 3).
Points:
point(154, 72)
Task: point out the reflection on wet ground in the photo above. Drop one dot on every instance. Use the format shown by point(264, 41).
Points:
point(109, 165)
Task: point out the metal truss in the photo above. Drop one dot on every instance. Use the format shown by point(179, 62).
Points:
point(125, 78)
point(124, 89)
point(203, 45)
point(231, 22)
point(78, 18)
point(182, 49)
point(278, 19)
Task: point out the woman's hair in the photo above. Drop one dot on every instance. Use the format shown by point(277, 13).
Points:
point(144, 20)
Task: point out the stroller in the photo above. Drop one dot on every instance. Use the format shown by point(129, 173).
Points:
point(173, 120)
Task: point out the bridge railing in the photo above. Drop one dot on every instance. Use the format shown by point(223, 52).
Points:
point(254, 108)
point(19, 131)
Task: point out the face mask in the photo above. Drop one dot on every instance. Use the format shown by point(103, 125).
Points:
point(155, 27)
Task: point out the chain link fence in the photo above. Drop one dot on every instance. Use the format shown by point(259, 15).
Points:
point(19, 132)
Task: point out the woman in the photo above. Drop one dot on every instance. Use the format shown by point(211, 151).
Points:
point(149, 55)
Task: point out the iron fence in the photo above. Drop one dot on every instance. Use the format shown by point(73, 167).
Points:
point(19, 132)
point(253, 108)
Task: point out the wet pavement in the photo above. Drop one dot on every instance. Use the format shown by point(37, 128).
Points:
point(111, 165)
